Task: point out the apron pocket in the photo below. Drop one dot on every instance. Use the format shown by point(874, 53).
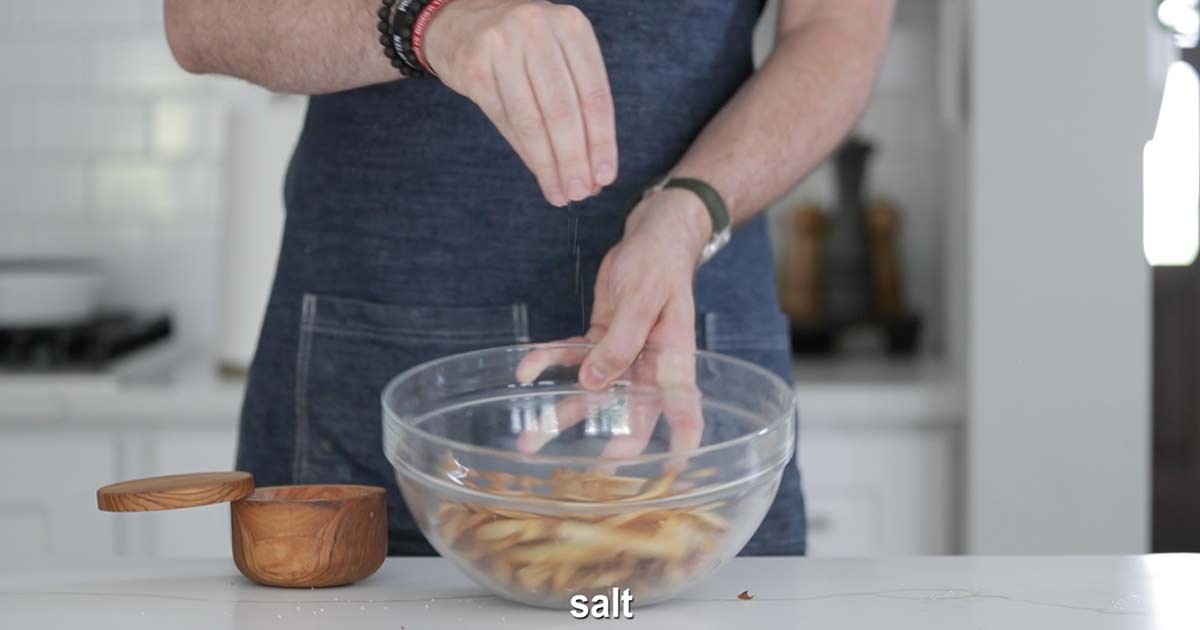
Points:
point(348, 351)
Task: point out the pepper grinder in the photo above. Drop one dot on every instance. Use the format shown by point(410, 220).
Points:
point(883, 224)
point(803, 277)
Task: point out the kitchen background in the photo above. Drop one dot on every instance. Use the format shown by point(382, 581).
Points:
point(1006, 135)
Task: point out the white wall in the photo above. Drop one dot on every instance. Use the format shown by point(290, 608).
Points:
point(1059, 294)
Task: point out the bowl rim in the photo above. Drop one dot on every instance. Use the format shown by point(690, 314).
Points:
point(390, 416)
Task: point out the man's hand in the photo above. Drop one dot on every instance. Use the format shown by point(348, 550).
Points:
point(644, 287)
point(536, 71)
point(643, 298)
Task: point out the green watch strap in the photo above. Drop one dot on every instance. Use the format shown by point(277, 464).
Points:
point(707, 194)
point(722, 224)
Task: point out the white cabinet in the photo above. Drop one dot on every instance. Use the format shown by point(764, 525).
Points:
point(201, 532)
point(62, 440)
point(48, 497)
point(879, 449)
point(48, 494)
point(881, 492)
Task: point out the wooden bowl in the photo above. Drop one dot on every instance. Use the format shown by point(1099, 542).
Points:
point(310, 536)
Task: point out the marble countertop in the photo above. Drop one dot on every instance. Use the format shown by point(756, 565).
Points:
point(1097, 593)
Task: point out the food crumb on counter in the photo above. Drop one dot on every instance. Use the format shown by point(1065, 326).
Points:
point(745, 596)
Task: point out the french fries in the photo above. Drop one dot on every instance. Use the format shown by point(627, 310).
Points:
point(554, 557)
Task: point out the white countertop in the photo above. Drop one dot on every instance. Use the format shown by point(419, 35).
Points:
point(1097, 593)
point(171, 386)
point(877, 393)
point(179, 388)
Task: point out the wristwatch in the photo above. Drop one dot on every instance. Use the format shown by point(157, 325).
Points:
point(722, 225)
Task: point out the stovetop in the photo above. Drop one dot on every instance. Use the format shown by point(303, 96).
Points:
point(91, 346)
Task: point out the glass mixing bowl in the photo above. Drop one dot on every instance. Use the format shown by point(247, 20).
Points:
point(541, 490)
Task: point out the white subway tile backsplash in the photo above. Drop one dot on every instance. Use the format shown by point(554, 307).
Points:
point(51, 188)
point(173, 269)
point(153, 15)
point(909, 63)
point(44, 235)
point(142, 63)
point(180, 128)
point(96, 126)
point(63, 126)
point(45, 62)
point(15, 132)
point(109, 150)
point(90, 15)
point(162, 192)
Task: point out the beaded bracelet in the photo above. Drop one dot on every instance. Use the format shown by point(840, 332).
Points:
point(402, 25)
point(394, 36)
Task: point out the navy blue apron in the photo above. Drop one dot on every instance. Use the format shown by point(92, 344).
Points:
point(413, 231)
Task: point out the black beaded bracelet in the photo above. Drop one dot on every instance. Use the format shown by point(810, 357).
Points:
point(395, 35)
point(403, 19)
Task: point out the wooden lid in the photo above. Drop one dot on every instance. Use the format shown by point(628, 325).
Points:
point(175, 491)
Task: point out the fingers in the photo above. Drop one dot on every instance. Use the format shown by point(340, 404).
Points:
point(643, 408)
point(675, 376)
point(536, 70)
point(565, 414)
point(643, 414)
point(556, 94)
point(537, 361)
point(523, 119)
point(625, 336)
point(486, 94)
point(586, 63)
point(681, 402)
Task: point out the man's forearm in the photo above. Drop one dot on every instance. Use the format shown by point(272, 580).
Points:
point(301, 46)
point(795, 110)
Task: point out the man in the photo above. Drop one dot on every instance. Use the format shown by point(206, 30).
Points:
point(414, 231)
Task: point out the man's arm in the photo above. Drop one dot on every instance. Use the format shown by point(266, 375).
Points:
point(786, 119)
point(796, 109)
point(303, 46)
point(533, 67)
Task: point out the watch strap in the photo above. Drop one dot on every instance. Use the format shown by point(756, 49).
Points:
point(722, 223)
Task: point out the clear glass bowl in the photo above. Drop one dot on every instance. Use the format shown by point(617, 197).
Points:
point(540, 490)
